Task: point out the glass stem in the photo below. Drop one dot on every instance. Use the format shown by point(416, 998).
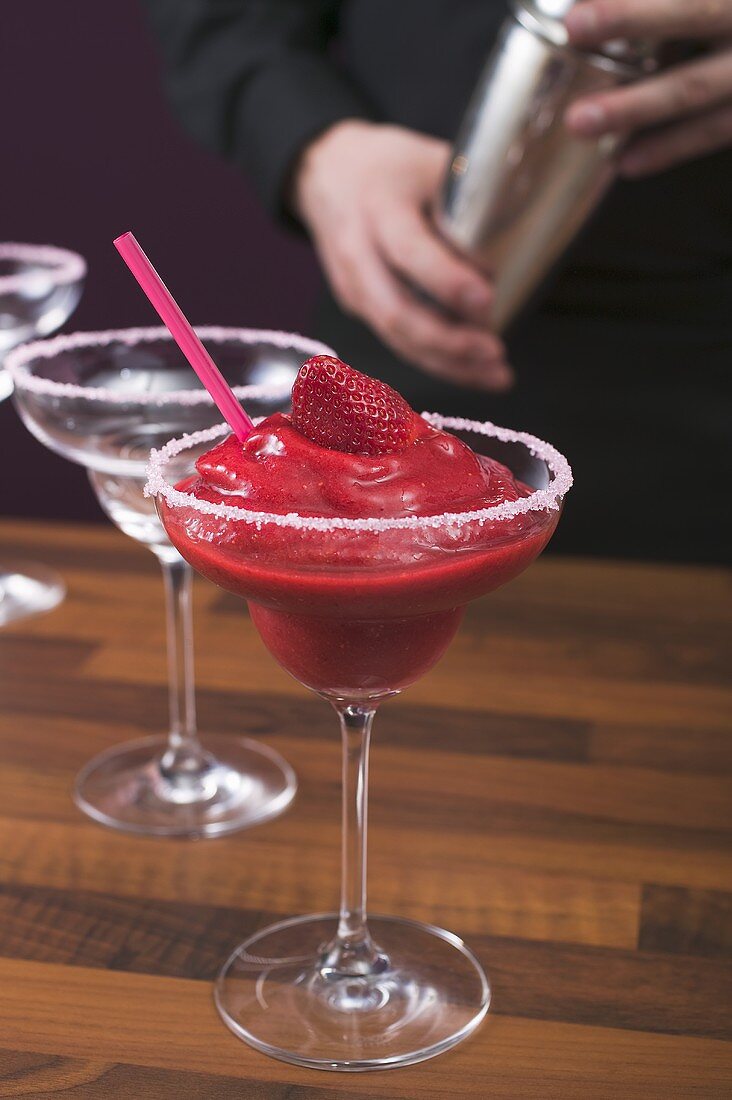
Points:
point(184, 756)
point(352, 951)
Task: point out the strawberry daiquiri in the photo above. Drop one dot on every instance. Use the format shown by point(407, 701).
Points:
point(355, 613)
point(358, 531)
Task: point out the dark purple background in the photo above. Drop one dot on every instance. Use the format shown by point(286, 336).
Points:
point(90, 150)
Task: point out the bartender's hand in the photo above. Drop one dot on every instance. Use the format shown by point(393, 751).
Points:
point(365, 191)
point(676, 115)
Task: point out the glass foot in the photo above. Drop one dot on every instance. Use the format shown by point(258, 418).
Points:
point(427, 994)
point(28, 591)
point(244, 783)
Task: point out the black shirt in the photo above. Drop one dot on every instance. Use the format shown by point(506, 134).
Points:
point(624, 359)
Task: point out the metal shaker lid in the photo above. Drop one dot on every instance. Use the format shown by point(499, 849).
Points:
point(546, 17)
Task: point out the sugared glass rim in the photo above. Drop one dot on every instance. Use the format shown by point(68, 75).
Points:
point(17, 361)
point(67, 266)
point(548, 499)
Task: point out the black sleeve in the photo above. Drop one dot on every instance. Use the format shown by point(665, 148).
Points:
point(254, 80)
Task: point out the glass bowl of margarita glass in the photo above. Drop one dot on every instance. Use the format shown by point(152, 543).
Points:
point(40, 287)
point(103, 400)
point(357, 609)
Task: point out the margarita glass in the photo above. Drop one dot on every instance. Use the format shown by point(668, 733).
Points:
point(357, 609)
point(40, 287)
point(104, 400)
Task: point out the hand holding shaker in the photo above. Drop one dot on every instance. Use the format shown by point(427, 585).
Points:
point(520, 186)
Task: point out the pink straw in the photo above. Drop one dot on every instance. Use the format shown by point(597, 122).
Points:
point(180, 329)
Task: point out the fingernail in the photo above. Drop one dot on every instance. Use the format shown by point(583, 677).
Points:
point(586, 118)
point(581, 21)
point(501, 377)
point(476, 297)
point(492, 375)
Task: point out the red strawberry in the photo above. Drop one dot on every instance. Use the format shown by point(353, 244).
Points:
point(340, 408)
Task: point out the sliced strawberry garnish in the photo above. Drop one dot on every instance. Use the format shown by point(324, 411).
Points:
point(340, 408)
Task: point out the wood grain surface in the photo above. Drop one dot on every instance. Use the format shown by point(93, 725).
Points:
point(557, 791)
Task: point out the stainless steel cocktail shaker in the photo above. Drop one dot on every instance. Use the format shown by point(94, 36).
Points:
point(519, 186)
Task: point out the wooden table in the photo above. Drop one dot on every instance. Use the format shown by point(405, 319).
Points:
point(556, 791)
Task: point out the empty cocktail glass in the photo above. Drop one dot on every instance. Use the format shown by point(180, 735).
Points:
point(40, 287)
point(103, 400)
